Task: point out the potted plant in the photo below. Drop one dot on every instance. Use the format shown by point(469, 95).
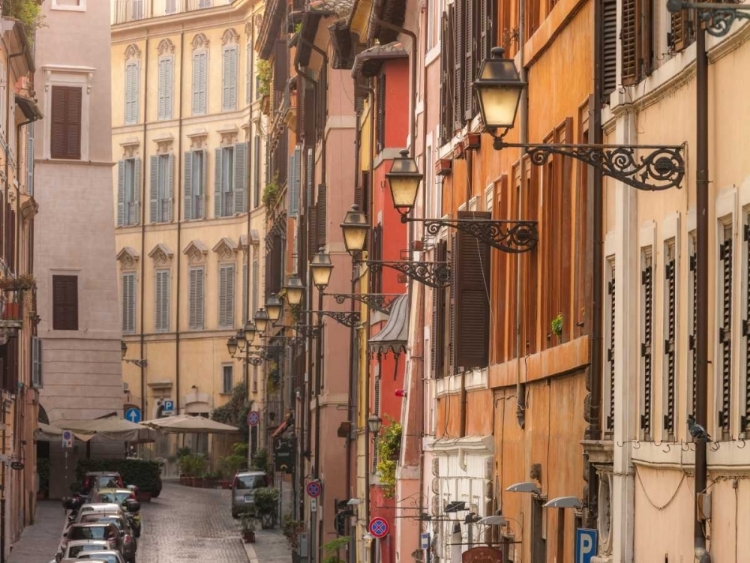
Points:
point(271, 192)
point(332, 549)
point(266, 499)
point(20, 283)
point(557, 326)
point(231, 464)
point(247, 524)
point(389, 450)
point(443, 166)
point(292, 529)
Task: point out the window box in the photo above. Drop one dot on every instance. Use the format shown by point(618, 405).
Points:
point(444, 167)
point(473, 141)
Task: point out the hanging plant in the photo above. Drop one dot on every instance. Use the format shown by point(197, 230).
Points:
point(23, 282)
point(389, 449)
point(271, 192)
point(265, 74)
point(557, 325)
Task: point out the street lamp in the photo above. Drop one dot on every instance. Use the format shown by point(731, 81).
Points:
point(274, 306)
point(261, 320)
point(123, 349)
point(498, 90)
point(321, 267)
point(232, 345)
point(374, 423)
point(295, 289)
point(355, 228)
point(404, 179)
point(250, 331)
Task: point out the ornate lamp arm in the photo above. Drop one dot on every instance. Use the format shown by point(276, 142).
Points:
point(346, 318)
point(378, 301)
point(717, 17)
point(432, 274)
point(509, 236)
point(308, 331)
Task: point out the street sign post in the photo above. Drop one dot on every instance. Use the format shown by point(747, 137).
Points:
point(253, 418)
point(379, 527)
point(67, 439)
point(133, 415)
point(313, 489)
point(586, 542)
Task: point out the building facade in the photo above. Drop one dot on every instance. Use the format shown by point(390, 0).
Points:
point(77, 297)
point(189, 146)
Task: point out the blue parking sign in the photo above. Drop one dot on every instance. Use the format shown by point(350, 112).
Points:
point(586, 543)
point(168, 406)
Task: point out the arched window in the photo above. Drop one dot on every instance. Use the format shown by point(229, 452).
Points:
point(200, 74)
point(132, 83)
point(166, 78)
point(230, 58)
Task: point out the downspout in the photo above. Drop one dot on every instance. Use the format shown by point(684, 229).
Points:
point(524, 135)
point(179, 226)
point(250, 142)
point(143, 228)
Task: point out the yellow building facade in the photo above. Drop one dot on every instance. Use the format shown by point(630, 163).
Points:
point(189, 146)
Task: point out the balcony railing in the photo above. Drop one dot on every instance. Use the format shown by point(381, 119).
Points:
point(124, 11)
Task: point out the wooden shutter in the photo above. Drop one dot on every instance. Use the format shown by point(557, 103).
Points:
point(609, 48)
point(321, 206)
point(200, 64)
point(188, 180)
point(128, 303)
point(37, 381)
point(459, 51)
point(196, 298)
point(438, 317)
point(446, 78)
point(629, 41)
point(30, 161)
point(165, 88)
point(121, 193)
point(294, 182)
point(226, 295)
point(162, 300)
point(645, 33)
point(256, 164)
point(240, 177)
point(229, 99)
point(451, 306)
point(65, 135)
point(380, 114)
point(154, 189)
point(470, 47)
point(256, 285)
point(680, 35)
point(65, 302)
point(487, 17)
point(170, 186)
point(137, 173)
point(245, 288)
point(312, 231)
point(217, 183)
point(249, 74)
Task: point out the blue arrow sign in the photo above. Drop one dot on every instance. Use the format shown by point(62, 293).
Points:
point(133, 415)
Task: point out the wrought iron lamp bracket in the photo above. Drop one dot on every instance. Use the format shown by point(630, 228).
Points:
point(308, 331)
point(661, 169)
point(346, 318)
point(513, 237)
point(717, 17)
point(432, 274)
point(138, 363)
point(376, 301)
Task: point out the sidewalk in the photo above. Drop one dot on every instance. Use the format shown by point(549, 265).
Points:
point(271, 546)
point(40, 541)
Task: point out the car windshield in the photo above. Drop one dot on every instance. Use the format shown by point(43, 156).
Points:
point(108, 482)
point(108, 557)
point(116, 521)
point(117, 498)
point(245, 482)
point(90, 533)
point(75, 550)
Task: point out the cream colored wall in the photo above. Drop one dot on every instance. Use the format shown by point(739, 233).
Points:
point(202, 353)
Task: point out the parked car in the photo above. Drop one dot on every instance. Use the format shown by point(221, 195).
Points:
point(243, 488)
point(102, 480)
point(75, 548)
point(126, 499)
point(129, 544)
point(103, 556)
point(94, 508)
point(106, 531)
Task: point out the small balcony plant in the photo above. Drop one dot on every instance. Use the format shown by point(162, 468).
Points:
point(266, 499)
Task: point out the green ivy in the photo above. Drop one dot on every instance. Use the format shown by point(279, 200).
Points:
point(265, 73)
point(235, 411)
point(271, 193)
point(28, 12)
point(389, 447)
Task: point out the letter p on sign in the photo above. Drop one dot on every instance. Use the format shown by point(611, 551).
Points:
point(586, 544)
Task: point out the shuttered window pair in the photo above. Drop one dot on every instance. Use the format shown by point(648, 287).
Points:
point(166, 81)
point(294, 181)
point(200, 85)
point(226, 295)
point(128, 192)
point(128, 303)
point(230, 180)
point(132, 86)
point(195, 173)
point(64, 302)
point(161, 188)
point(231, 63)
point(196, 289)
point(163, 291)
point(65, 134)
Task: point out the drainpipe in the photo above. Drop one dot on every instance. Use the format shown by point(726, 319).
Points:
point(143, 228)
point(250, 142)
point(179, 228)
point(702, 181)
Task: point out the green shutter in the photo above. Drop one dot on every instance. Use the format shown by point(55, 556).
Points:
point(188, 180)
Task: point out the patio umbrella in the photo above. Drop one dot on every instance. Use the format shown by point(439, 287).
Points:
point(111, 428)
point(190, 425)
point(49, 433)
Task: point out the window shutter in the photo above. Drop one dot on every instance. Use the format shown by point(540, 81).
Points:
point(203, 83)
point(321, 206)
point(131, 92)
point(487, 17)
point(459, 49)
point(65, 302)
point(294, 182)
point(170, 187)
point(446, 76)
point(154, 189)
point(233, 55)
point(644, 26)
point(240, 177)
point(310, 175)
point(245, 289)
point(680, 35)
point(58, 138)
point(30, 161)
point(312, 232)
point(217, 183)
point(470, 41)
point(196, 298)
point(121, 193)
point(162, 300)
point(200, 64)
point(256, 164)
point(65, 135)
point(128, 303)
point(628, 39)
point(256, 285)
point(37, 381)
point(225, 105)
point(168, 88)
point(438, 317)
point(249, 77)
point(609, 48)
point(451, 306)
point(162, 87)
point(226, 295)
point(188, 179)
point(137, 172)
point(380, 113)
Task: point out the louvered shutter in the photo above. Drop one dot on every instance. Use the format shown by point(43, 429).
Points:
point(679, 30)
point(629, 42)
point(200, 188)
point(312, 231)
point(37, 381)
point(644, 26)
point(162, 300)
point(200, 68)
point(188, 179)
point(217, 182)
point(256, 285)
point(446, 75)
point(240, 177)
point(121, 193)
point(170, 187)
point(30, 161)
point(154, 189)
point(65, 302)
point(487, 17)
point(196, 83)
point(131, 92)
point(128, 303)
point(192, 298)
point(249, 74)
point(245, 288)
point(470, 41)
point(380, 113)
point(58, 139)
point(162, 87)
point(322, 215)
point(65, 134)
point(310, 175)
point(256, 164)
point(609, 48)
point(438, 318)
point(459, 50)
point(196, 298)
point(233, 78)
point(294, 182)
point(137, 173)
point(451, 306)
point(168, 87)
point(226, 295)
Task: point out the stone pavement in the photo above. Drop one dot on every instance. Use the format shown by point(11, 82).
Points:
point(39, 542)
point(270, 547)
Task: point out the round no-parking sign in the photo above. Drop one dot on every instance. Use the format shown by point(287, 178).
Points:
point(313, 489)
point(253, 418)
point(379, 527)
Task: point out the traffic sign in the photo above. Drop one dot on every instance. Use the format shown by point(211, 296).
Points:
point(379, 527)
point(313, 504)
point(253, 418)
point(313, 489)
point(586, 543)
point(133, 415)
point(67, 439)
point(167, 406)
point(425, 540)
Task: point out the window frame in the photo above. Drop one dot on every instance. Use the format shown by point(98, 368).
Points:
point(224, 369)
point(160, 315)
point(169, 108)
point(130, 116)
point(193, 323)
point(226, 82)
point(202, 51)
point(227, 321)
point(56, 326)
point(81, 7)
point(126, 329)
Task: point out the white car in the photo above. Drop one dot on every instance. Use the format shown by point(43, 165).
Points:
point(75, 548)
point(103, 508)
point(104, 556)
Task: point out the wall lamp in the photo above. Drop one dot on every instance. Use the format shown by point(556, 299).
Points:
point(378, 301)
point(346, 318)
point(251, 354)
point(499, 89)
point(509, 236)
point(717, 17)
point(141, 363)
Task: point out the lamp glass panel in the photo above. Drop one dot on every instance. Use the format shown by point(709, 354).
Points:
point(355, 237)
point(404, 190)
point(294, 295)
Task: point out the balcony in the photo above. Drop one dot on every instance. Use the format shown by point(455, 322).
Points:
point(124, 11)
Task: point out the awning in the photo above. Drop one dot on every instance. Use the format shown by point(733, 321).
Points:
point(28, 107)
point(49, 433)
point(99, 425)
point(369, 61)
point(288, 421)
point(395, 333)
point(186, 424)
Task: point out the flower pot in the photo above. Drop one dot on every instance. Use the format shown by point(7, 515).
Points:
point(266, 521)
point(198, 482)
point(443, 166)
point(41, 495)
point(226, 485)
point(143, 497)
point(248, 537)
point(473, 141)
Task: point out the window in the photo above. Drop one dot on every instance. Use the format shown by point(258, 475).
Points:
point(724, 313)
point(30, 161)
point(132, 85)
point(200, 70)
point(635, 35)
point(609, 334)
point(447, 78)
point(195, 184)
point(163, 289)
point(64, 302)
point(227, 379)
point(256, 172)
point(196, 297)
point(166, 80)
point(647, 332)
point(37, 381)
point(204, 3)
point(693, 323)
point(65, 137)
point(609, 49)
point(669, 380)
point(71, 5)
point(226, 295)
point(681, 30)
point(171, 7)
point(230, 180)
point(162, 179)
point(229, 97)
point(128, 192)
point(128, 303)
point(136, 7)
